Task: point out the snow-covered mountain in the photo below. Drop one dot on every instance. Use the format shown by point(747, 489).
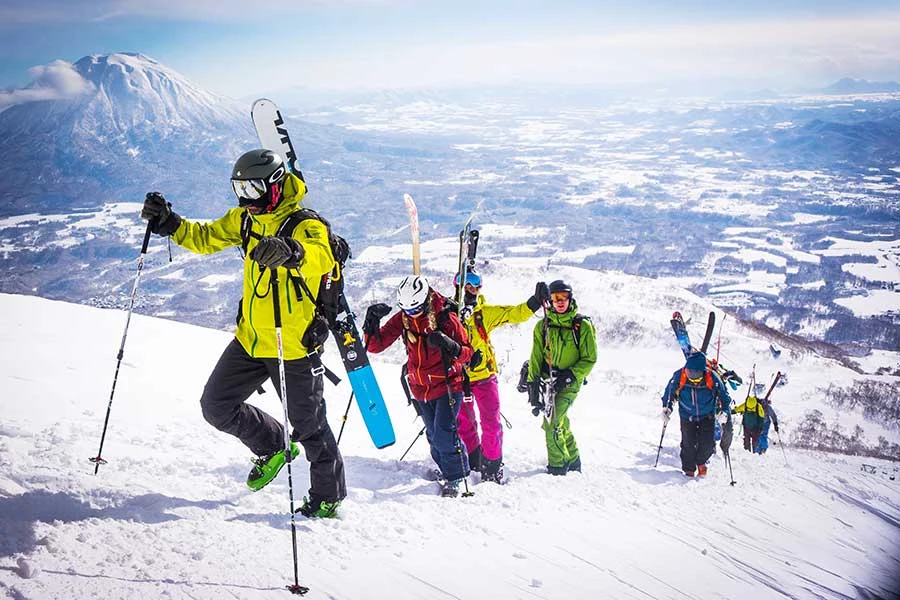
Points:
point(169, 515)
point(133, 125)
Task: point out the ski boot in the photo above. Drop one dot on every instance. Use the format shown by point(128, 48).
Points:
point(318, 509)
point(492, 470)
point(450, 488)
point(266, 468)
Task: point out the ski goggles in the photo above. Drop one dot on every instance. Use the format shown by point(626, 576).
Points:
point(248, 189)
point(559, 296)
point(413, 311)
point(473, 279)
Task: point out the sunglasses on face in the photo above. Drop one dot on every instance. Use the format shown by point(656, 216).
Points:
point(413, 311)
point(559, 296)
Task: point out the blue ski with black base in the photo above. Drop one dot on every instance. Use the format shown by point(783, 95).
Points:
point(273, 135)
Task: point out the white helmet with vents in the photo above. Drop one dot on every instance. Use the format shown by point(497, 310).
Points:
point(412, 294)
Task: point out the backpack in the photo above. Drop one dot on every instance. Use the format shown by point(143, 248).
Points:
point(576, 333)
point(331, 288)
point(576, 329)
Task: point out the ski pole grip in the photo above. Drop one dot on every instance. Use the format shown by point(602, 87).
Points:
point(146, 239)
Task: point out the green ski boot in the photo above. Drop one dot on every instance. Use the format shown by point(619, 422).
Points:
point(266, 468)
point(321, 510)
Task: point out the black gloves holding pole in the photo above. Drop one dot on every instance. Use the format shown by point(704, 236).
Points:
point(437, 339)
point(163, 221)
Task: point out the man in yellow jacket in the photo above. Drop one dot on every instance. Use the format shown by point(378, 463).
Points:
point(267, 195)
point(486, 453)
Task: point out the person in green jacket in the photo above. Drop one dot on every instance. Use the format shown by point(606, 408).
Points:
point(267, 194)
point(564, 352)
point(486, 451)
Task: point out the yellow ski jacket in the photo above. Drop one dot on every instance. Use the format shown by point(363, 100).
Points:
point(256, 319)
point(483, 320)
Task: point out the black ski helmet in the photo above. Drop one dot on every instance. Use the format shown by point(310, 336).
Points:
point(561, 286)
point(257, 177)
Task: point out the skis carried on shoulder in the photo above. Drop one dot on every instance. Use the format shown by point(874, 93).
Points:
point(413, 213)
point(684, 339)
point(273, 135)
point(468, 246)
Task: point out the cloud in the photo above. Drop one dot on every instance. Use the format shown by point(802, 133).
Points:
point(56, 81)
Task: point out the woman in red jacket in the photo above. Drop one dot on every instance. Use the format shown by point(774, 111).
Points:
point(437, 349)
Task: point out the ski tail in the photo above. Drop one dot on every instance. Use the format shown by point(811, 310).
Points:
point(710, 326)
point(413, 213)
point(681, 333)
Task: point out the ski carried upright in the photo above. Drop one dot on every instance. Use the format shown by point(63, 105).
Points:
point(413, 213)
point(684, 339)
point(468, 246)
point(273, 135)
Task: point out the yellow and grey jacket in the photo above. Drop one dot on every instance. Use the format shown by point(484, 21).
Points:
point(483, 320)
point(256, 324)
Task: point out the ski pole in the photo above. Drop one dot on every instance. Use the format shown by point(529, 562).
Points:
point(661, 436)
point(296, 588)
point(730, 470)
point(421, 431)
point(344, 418)
point(98, 460)
point(783, 453)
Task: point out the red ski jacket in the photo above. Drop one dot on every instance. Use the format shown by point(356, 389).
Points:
point(427, 375)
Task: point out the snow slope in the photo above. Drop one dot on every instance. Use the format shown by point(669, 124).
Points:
point(169, 516)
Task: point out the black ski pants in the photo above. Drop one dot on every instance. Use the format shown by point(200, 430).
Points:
point(697, 442)
point(237, 375)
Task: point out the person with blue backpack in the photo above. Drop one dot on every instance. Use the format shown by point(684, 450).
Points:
point(702, 399)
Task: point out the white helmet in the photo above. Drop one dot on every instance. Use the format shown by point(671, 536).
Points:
point(412, 293)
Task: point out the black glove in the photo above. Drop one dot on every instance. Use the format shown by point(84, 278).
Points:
point(776, 428)
point(163, 221)
point(541, 295)
point(374, 314)
point(436, 339)
point(563, 379)
point(478, 356)
point(272, 252)
point(534, 397)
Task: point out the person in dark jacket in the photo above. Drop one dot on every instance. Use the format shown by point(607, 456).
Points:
point(437, 351)
point(701, 397)
point(771, 420)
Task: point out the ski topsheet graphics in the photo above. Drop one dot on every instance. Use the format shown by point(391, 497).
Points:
point(684, 339)
point(273, 135)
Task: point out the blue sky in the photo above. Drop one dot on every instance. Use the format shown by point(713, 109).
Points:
point(240, 48)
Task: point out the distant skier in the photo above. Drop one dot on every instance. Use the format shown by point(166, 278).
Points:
point(486, 452)
point(754, 417)
point(267, 194)
point(563, 353)
point(702, 398)
point(770, 420)
point(437, 349)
